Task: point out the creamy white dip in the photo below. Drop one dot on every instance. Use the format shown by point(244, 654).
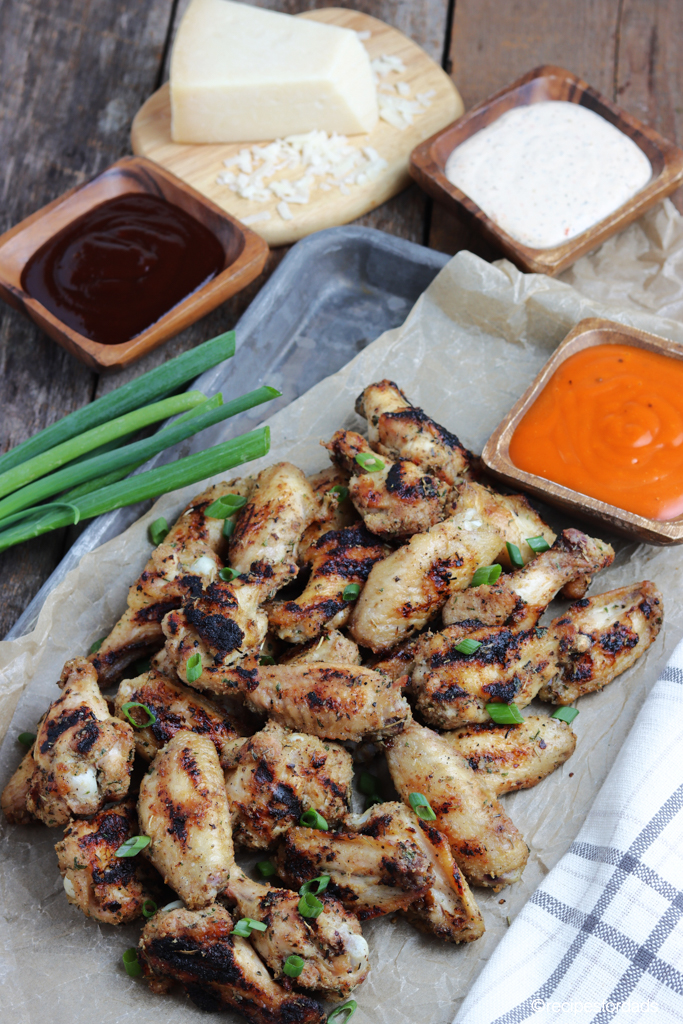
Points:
point(546, 172)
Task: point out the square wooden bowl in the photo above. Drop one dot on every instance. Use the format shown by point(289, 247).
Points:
point(496, 454)
point(245, 254)
point(428, 166)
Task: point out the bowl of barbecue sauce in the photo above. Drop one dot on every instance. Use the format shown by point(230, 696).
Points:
point(600, 431)
point(119, 265)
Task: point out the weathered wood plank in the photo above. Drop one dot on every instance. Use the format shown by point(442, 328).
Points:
point(493, 43)
point(71, 78)
point(649, 72)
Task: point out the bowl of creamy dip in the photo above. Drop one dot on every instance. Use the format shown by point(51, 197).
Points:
point(547, 169)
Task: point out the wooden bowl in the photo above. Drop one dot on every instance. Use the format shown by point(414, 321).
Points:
point(496, 454)
point(245, 255)
point(428, 164)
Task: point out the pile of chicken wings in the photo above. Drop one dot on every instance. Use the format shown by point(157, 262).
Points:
point(295, 625)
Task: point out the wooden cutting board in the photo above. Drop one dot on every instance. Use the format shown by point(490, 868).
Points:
point(200, 165)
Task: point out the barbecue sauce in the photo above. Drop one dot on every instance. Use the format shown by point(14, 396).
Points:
point(112, 273)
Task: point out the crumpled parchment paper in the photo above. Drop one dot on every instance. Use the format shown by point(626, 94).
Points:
point(467, 351)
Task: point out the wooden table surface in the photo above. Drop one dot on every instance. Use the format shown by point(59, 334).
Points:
point(74, 72)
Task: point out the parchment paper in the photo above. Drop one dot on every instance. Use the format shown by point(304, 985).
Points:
point(467, 351)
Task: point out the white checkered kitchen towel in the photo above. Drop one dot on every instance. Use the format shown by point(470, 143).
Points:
point(602, 938)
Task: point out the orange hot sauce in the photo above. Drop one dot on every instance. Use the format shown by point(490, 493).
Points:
point(609, 423)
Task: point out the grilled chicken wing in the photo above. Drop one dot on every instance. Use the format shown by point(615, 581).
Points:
point(599, 638)
point(452, 688)
point(396, 500)
point(184, 810)
point(16, 791)
point(337, 559)
point(83, 755)
point(371, 876)
point(486, 845)
point(103, 885)
point(218, 970)
point(332, 648)
point(398, 429)
point(335, 511)
point(270, 525)
point(332, 946)
point(222, 625)
point(410, 587)
point(506, 758)
point(276, 775)
point(448, 908)
point(335, 702)
point(194, 540)
point(174, 707)
point(519, 598)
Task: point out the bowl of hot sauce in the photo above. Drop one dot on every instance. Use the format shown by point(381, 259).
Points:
point(600, 431)
point(119, 265)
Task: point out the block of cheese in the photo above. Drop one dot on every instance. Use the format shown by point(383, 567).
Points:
point(245, 74)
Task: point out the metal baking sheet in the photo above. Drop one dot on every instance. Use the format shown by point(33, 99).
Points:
point(334, 293)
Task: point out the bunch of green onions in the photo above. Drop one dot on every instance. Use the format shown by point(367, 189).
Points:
point(83, 461)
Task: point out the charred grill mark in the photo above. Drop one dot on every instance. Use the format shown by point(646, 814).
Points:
point(285, 803)
point(120, 872)
point(618, 638)
point(248, 676)
point(580, 670)
point(56, 727)
point(221, 633)
point(222, 594)
point(418, 418)
point(505, 692)
point(87, 737)
point(189, 765)
point(263, 774)
point(395, 484)
point(440, 572)
point(453, 692)
point(156, 612)
point(317, 703)
point(212, 961)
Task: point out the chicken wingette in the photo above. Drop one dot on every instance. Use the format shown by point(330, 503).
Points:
point(371, 876)
point(401, 430)
point(194, 545)
point(332, 648)
point(506, 758)
point(335, 702)
point(276, 775)
point(599, 638)
point(407, 589)
point(83, 755)
point(105, 887)
point(184, 810)
point(448, 908)
point(218, 970)
point(519, 598)
point(452, 687)
point(332, 946)
point(395, 498)
point(15, 793)
point(173, 707)
point(486, 846)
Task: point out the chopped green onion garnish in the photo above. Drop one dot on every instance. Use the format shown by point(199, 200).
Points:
point(372, 463)
point(515, 555)
point(27, 738)
point(351, 592)
point(149, 908)
point(246, 925)
point(316, 885)
point(266, 868)
point(311, 819)
point(486, 574)
point(94, 648)
point(505, 714)
point(421, 806)
point(310, 906)
point(565, 714)
point(538, 544)
point(368, 784)
point(151, 717)
point(293, 966)
point(228, 574)
point(131, 963)
point(132, 846)
point(267, 659)
point(228, 527)
point(341, 492)
point(225, 506)
point(467, 646)
point(343, 1013)
point(373, 799)
point(194, 667)
point(158, 531)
